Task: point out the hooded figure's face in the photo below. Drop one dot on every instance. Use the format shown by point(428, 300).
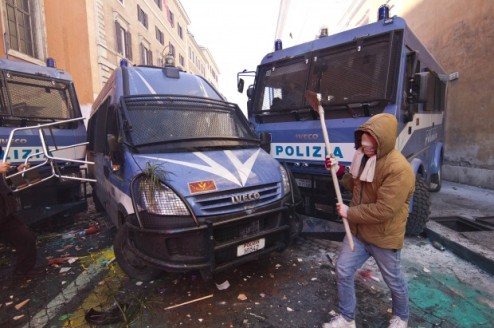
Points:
point(369, 145)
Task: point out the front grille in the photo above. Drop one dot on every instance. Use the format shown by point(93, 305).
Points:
point(225, 202)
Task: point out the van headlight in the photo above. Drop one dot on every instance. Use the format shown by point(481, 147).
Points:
point(285, 179)
point(157, 198)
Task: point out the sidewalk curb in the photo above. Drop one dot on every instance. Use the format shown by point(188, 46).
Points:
point(462, 246)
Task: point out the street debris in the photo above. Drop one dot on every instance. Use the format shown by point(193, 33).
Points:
point(427, 270)
point(289, 309)
point(21, 304)
point(241, 297)
point(114, 315)
point(438, 246)
point(17, 317)
point(64, 269)
point(223, 285)
point(188, 302)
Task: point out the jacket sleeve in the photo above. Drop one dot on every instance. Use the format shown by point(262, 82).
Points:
point(393, 191)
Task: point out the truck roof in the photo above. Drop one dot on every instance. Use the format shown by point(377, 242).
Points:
point(30, 68)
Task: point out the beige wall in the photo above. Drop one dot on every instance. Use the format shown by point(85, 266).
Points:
point(460, 35)
point(68, 37)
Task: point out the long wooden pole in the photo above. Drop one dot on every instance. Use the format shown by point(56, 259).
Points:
point(313, 100)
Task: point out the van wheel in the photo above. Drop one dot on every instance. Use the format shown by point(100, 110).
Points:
point(130, 263)
point(97, 203)
point(419, 216)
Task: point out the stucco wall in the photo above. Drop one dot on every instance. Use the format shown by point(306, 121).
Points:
point(460, 35)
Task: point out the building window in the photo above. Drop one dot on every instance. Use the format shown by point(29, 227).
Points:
point(146, 55)
point(180, 31)
point(160, 36)
point(181, 60)
point(171, 18)
point(159, 4)
point(124, 41)
point(142, 17)
point(20, 27)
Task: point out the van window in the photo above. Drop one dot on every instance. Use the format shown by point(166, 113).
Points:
point(98, 127)
point(155, 120)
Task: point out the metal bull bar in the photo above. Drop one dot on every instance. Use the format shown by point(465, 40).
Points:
point(29, 177)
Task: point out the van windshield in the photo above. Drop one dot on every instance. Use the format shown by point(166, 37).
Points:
point(354, 79)
point(179, 123)
point(36, 99)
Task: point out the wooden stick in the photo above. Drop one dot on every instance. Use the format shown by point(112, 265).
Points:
point(314, 102)
point(188, 302)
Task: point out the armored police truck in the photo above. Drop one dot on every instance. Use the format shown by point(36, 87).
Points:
point(41, 125)
point(182, 175)
point(377, 68)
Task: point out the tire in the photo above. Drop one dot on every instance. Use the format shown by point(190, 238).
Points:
point(419, 216)
point(133, 266)
point(436, 180)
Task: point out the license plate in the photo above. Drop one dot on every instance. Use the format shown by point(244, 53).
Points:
point(304, 183)
point(251, 246)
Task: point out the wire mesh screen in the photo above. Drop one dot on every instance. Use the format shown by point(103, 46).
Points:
point(155, 119)
point(355, 72)
point(39, 98)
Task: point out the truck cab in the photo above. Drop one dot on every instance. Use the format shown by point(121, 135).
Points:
point(181, 174)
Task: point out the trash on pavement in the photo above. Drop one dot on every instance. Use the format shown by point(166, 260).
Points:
point(114, 315)
point(242, 297)
point(368, 274)
point(188, 302)
point(438, 246)
point(223, 285)
point(21, 304)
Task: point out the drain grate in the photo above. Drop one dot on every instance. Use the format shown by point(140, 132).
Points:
point(460, 224)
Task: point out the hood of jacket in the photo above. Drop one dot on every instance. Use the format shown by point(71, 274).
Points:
point(382, 127)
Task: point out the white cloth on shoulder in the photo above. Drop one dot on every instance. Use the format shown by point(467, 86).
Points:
point(367, 174)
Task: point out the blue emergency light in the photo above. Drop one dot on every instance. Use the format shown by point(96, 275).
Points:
point(50, 62)
point(124, 63)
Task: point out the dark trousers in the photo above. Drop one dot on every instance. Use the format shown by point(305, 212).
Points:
point(16, 233)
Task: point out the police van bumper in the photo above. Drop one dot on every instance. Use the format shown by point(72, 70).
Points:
point(217, 243)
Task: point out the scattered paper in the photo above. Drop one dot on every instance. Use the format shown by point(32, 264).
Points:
point(289, 309)
point(17, 317)
point(242, 297)
point(426, 270)
point(64, 269)
point(139, 283)
point(21, 304)
point(223, 285)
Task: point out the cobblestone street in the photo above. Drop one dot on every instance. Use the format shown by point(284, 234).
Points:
point(295, 288)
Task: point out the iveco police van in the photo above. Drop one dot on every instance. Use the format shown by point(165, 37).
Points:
point(380, 67)
point(182, 175)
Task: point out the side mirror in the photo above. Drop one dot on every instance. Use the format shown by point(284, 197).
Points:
point(266, 141)
point(250, 92)
point(240, 85)
point(114, 149)
point(421, 86)
point(113, 145)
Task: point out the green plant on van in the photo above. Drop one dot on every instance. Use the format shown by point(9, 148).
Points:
point(151, 185)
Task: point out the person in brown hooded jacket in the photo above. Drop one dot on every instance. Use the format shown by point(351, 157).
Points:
point(14, 231)
point(382, 183)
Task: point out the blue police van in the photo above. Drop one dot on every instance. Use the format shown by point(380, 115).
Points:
point(377, 68)
point(181, 174)
point(41, 125)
